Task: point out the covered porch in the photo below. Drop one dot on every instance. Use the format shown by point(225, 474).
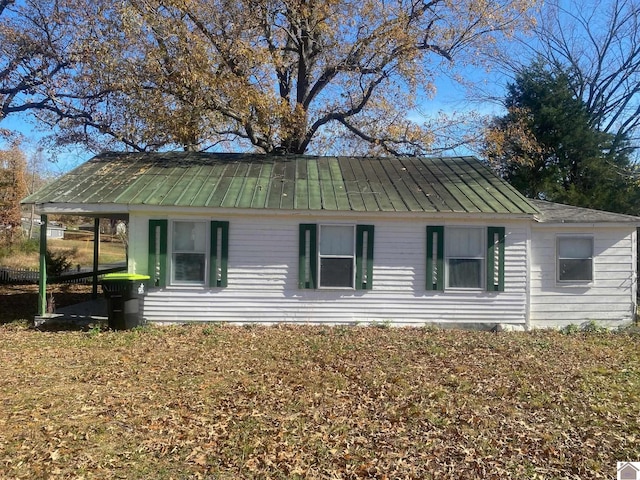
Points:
point(92, 311)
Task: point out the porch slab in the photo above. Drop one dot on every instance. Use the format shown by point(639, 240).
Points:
point(78, 315)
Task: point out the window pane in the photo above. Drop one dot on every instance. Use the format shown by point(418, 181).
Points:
point(575, 247)
point(464, 273)
point(336, 272)
point(189, 236)
point(188, 267)
point(464, 242)
point(575, 270)
point(336, 240)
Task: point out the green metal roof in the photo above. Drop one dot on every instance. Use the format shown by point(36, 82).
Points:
point(400, 184)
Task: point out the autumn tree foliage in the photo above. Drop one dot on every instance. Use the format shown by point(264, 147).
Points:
point(13, 188)
point(547, 146)
point(267, 75)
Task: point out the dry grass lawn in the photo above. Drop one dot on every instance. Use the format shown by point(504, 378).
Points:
point(316, 402)
point(79, 252)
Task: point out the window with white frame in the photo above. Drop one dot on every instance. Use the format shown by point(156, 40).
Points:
point(194, 252)
point(189, 241)
point(574, 259)
point(344, 252)
point(465, 257)
point(337, 256)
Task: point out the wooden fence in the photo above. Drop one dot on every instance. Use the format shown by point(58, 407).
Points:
point(12, 276)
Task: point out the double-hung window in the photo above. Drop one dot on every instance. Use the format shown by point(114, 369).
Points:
point(188, 252)
point(465, 258)
point(464, 253)
point(189, 240)
point(335, 256)
point(574, 259)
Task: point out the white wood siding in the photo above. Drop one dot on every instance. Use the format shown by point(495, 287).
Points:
point(263, 278)
point(609, 300)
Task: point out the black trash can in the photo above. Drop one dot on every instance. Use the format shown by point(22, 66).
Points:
point(123, 292)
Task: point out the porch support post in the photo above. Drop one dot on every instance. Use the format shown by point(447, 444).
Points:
point(96, 254)
point(42, 281)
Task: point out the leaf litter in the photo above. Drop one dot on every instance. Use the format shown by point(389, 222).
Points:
point(317, 402)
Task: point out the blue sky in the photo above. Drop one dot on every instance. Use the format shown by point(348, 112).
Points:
point(62, 162)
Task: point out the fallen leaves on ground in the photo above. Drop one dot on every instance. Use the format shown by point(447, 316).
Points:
point(316, 402)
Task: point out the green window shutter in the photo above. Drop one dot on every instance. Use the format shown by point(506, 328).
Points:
point(308, 255)
point(364, 257)
point(435, 258)
point(495, 259)
point(157, 266)
point(219, 254)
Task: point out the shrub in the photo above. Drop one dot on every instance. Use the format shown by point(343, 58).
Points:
point(593, 327)
point(570, 329)
point(57, 263)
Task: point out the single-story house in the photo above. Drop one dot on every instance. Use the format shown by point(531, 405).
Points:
point(343, 240)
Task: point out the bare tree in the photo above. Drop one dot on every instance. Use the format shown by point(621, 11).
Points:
point(598, 43)
point(4, 4)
